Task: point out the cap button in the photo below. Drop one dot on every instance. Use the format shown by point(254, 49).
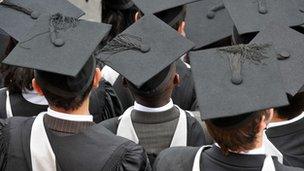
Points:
point(263, 10)
point(301, 10)
point(211, 14)
point(58, 42)
point(236, 79)
point(144, 48)
point(283, 55)
point(35, 15)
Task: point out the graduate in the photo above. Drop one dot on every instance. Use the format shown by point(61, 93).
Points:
point(61, 49)
point(173, 13)
point(237, 86)
point(145, 54)
point(18, 97)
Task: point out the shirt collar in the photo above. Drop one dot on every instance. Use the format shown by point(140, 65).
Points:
point(32, 97)
point(70, 117)
point(275, 124)
point(142, 108)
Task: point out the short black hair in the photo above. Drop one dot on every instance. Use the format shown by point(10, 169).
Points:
point(67, 92)
point(294, 109)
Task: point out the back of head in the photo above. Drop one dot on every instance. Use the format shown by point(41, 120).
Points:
point(294, 109)
point(173, 16)
point(157, 87)
point(120, 14)
point(67, 92)
point(236, 133)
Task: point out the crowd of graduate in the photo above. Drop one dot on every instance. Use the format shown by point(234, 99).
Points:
point(141, 85)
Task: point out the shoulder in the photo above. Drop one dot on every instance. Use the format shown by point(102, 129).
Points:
point(176, 158)
point(111, 124)
point(281, 167)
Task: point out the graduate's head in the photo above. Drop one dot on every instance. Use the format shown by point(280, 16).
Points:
point(175, 17)
point(157, 90)
point(66, 92)
point(119, 13)
point(239, 133)
point(294, 109)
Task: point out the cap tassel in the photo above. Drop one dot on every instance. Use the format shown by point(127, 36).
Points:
point(262, 7)
point(214, 9)
point(239, 54)
point(34, 14)
point(125, 42)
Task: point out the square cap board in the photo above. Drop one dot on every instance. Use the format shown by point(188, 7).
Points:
point(19, 22)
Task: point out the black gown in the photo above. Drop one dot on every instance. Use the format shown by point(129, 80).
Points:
point(289, 139)
point(195, 133)
point(94, 149)
point(212, 159)
point(104, 104)
point(183, 95)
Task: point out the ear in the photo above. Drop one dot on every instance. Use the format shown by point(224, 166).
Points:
point(136, 16)
point(36, 87)
point(176, 79)
point(266, 120)
point(124, 82)
point(97, 78)
point(181, 28)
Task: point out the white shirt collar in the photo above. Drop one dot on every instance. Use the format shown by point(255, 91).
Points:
point(32, 97)
point(70, 117)
point(142, 108)
point(275, 124)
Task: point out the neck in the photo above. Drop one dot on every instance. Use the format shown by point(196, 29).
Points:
point(82, 110)
point(152, 103)
point(276, 118)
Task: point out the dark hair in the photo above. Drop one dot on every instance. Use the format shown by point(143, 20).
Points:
point(168, 15)
point(67, 92)
point(294, 109)
point(235, 133)
point(151, 89)
point(120, 19)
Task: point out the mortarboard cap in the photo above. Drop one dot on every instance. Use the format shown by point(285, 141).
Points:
point(18, 16)
point(145, 49)
point(287, 45)
point(236, 80)
point(208, 22)
point(61, 50)
point(253, 15)
point(58, 44)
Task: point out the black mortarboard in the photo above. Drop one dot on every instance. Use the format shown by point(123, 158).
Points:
point(18, 16)
point(288, 49)
point(236, 80)
point(207, 22)
point(145, 49)
point(58, 44)
point(253, 15)
point(61, 50)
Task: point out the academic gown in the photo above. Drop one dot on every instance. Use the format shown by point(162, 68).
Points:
point(195, 135)
point(104, 104)
point(183, 95)
point(212, 159)
point(289, 139)
point(94, 149)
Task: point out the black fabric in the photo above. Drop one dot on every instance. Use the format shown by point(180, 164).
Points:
point(3, 114)
point(289, 139)
point(182, 158)
point(104, 102)
point(184, 94)
point(94, 149)
point(195, 134)
point(20, 106)
point(123, 93)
